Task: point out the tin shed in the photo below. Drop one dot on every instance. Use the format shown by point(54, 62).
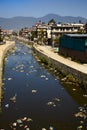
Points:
point(74, 46)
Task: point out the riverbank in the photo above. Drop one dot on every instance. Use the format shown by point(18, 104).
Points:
point(26, 41)
point(3, 50)
point(66, 66)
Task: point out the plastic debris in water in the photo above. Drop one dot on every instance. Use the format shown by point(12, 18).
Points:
point(50, 103)
point(57, 99)
point(43, 129)
point(7, 105)
point(19, 121)
point(25, 126)
point(27, 129)
point(51, 128)
point(13, 99)
point(24, 119)
point(79, 127)
point(80, 114)
point(74, 89)
point(29, 119)
point(9, 78)
point(34, 91)
point(46, 78)
point(14, 124)
point(42, 76)
point(84, 95)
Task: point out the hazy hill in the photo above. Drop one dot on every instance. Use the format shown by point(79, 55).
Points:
point(20, 22)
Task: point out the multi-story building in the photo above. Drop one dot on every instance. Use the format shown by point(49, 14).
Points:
point(54, 31)
point(60, 29)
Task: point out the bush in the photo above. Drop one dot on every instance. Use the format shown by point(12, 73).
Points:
point(69, 77)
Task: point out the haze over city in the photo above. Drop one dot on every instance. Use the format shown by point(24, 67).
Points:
point(39, 8)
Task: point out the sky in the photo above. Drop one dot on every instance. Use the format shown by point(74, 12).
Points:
point(40, 8)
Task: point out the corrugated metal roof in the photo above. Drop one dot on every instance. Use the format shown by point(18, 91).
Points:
point(76, 35)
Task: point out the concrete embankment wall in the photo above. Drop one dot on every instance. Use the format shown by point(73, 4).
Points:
point(80, 76)
point(3, 50)
point(22, 39)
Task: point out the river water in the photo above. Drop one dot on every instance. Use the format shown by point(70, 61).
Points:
point(41, 102)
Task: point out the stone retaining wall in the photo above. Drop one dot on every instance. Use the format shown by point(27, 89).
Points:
point(81, 77)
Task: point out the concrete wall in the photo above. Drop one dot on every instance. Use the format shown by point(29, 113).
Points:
point(81, 77)
point(3, 50)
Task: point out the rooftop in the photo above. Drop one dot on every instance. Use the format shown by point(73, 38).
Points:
point(76, 35)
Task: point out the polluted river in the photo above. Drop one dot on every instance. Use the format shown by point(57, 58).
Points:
point(34, 99)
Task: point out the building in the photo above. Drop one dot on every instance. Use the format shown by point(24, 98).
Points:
point(60, 29)
point(74, 46)
point(50, 33)
point(57, 30)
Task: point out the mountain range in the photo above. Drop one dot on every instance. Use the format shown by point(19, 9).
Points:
point(21, 22)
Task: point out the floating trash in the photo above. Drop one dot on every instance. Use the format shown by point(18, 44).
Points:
point(79, 127)
point(21, 71)
point(43, 129)
point(31, 66)
point(81, 122)
point(57, 99)
point(46, 78)
point(27, 129)
point(42, 76)
point(13, 99)
point(54, 105)
point(9, 78)
point(53, 102)
point(80, 114)
point(7, 105)
point(24, 119)
point(25, 126)
point(21, 122)
point(74, 89)
point(50, 103)
point(51, 128)
point(14, 124)
point(34, 91)
point(29, 119)
point(84, 95)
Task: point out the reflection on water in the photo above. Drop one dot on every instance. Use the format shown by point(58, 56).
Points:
point(34, 99)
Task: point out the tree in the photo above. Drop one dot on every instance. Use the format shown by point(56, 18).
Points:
point(41, 36)
point(33, 35)
point(52, 21)
point(59, 22)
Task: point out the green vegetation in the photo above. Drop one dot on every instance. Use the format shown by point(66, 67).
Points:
point(69, 77)
point(33, 35)
point(52, 21)
point(44, 60)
